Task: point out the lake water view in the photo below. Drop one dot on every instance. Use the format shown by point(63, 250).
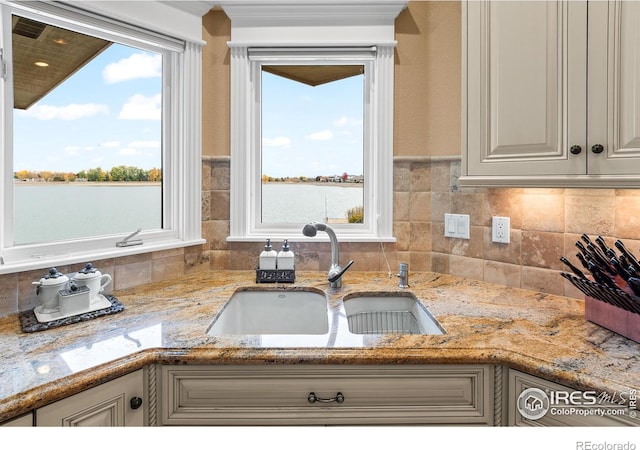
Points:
point(309, 202)
point(59, 211)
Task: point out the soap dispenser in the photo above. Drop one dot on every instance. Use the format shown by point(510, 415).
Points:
point(268, 257)
point(286, 258)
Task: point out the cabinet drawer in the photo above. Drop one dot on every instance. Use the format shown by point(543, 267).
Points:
point(228, 395)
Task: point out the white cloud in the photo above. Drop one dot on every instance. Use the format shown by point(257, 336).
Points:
point(72, 150)
point(129, 151)
point(144, 144)
point(139, 107)
point(345, 121)
point(280, 141)
point(138, 65)
point(72, 111)
point(320, 135)
point(110, 144)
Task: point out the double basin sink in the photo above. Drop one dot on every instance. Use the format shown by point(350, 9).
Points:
point(305, 311)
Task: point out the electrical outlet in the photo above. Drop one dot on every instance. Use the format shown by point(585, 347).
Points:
point(500, 229)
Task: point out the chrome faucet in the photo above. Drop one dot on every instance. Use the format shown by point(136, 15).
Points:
point(335, 269)
point(403, 274)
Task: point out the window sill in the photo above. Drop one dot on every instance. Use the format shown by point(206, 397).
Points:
point(63, 259)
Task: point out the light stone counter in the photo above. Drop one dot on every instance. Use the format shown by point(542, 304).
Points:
point(544, 335)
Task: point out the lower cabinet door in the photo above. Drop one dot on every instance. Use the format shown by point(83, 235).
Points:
point(116, 403)
point(537, 402)
point(22, 421)
point(299, 394)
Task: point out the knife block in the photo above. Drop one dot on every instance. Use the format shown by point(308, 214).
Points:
point(623, 322)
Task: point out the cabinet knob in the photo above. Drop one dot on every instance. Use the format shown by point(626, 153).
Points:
point(597, 148)
point(575, 149)
point(135, 402)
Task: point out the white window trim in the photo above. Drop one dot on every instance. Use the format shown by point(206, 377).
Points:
point(335, 27)
point(181, 142)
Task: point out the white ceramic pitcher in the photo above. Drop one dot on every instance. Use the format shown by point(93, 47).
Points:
point(93, 279)
point(48, 287)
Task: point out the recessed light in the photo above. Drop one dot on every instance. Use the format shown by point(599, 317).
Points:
point(41, 64)
point(60, 41)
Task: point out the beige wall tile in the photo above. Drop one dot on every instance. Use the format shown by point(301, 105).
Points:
point(542, 249)
point(590, 214)
point(133, 274)
point(627, 217)
point(420, 206)
point(542, 280)
point(543, 213)
point(401, 206)
point(466, 267)
point(420, 177)
point(503, 273)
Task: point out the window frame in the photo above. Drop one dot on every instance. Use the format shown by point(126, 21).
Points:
point(181, 141)
point(332, 26)
point(259, 57)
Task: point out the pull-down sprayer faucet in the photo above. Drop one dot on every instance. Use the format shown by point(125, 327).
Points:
point(335, 269)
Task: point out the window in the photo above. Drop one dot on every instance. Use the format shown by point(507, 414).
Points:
point(310, 156)
point(312, 159)
point(300, 38)
point(96, 144)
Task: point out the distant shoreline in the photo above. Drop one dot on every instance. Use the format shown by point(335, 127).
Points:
point(316, 183)
point(88, 183)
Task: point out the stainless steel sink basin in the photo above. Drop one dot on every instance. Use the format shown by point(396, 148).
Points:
point(273, 311)
point(389, 313)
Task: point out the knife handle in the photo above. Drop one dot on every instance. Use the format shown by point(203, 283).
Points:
point(573, 268)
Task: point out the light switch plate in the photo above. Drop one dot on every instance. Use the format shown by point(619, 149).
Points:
point(500, 229)
point(456, 226)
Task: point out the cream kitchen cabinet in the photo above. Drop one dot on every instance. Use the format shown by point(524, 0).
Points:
point(549, 98)
point(583, 409)
point(22, 421)
point(325, 394)
point(115, 403)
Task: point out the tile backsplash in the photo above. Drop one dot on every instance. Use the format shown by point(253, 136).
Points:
point(545, 224)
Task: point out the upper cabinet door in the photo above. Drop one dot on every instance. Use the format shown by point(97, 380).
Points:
point(614, 88)
point(526, 81)
point(551, 93)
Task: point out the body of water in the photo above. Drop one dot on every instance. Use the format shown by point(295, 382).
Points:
point(303, 203)
point(58, 211)
point(47, 212)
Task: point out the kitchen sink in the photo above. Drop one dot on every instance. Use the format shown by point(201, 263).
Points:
point(389, 313)
point(273, 311)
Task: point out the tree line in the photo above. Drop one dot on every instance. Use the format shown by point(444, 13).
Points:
point(118, 173)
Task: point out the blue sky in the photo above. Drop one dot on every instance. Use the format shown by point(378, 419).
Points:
point(107, 114)
point(309, 130)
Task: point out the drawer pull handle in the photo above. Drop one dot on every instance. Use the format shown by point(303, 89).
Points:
point(312, 398)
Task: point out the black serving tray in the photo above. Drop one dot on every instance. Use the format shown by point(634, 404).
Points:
point(275, 276)
point(30, 323)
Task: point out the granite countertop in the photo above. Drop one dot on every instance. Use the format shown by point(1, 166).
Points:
point(544, 335)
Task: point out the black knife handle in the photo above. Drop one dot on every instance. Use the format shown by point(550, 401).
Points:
point(632, 259)
point(634, 284)
point(573, 268)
